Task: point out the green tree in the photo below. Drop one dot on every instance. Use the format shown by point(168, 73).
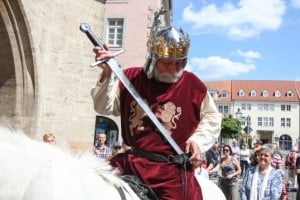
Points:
point(231, 127)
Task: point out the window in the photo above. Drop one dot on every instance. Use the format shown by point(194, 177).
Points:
point(241, 93)
point(213, 94)
point(259, 121)
point(265, 93)
point(224, 94)
point(115, 32)
point(246, 106)
point(285, 107)
point(288, 122)
point(277, 93)
point(253, 93)
point(265, 121)
point(266, 107)
point(289, 94)
point(224, 109)
point(282, 122)
point(271, 121)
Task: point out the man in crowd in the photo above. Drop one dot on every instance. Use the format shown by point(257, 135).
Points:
point(101, 149)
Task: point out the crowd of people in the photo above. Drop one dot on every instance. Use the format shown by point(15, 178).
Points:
point(256, 173)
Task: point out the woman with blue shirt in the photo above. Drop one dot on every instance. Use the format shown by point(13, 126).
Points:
point(262, 182)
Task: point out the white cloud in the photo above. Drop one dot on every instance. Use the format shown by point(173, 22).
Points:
point(214, 67)
point(245, 20)
point(296, 3)
point(249, 55)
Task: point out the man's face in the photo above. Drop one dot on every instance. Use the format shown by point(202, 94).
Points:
point(169, 70)
point(102, 138)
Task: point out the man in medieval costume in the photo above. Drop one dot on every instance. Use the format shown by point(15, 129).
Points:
point(180, 101)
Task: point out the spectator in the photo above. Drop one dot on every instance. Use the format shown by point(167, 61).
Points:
point(290, 164)
point(298, 177)
point(257, 146)
point(49, 138)
point(212, 157)
point(230, 168)
point(101, 149)
point(245, 158)
point(235, 149)
point(117, 148)
point(262, 181)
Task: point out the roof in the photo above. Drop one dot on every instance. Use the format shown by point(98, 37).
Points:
point(288, 90)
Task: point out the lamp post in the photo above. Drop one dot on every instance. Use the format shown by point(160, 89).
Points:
point(238, 115)
point(248, 127)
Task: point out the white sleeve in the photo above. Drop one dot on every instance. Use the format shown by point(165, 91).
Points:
point(209, 127)
point(106, 96)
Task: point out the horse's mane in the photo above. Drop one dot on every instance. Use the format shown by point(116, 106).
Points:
point(33, 169)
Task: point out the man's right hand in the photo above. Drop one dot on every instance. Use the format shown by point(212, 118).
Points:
point(103, 54)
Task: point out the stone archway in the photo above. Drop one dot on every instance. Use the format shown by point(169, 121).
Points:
point(17, 74)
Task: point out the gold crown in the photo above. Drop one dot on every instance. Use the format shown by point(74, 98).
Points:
point(166, 45)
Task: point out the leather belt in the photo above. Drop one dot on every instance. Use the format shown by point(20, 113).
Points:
point(177, 159)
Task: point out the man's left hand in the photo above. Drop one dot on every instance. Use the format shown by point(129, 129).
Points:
point(195, 158)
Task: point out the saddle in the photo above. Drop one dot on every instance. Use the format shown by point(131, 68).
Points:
point(142, 190)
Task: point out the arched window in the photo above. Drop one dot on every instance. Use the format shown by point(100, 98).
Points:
point(277, 93)
point(253, 93)
point(241, 93)
point(285, 142)
point(224, 94)
point(108, 126)
point(265, 93)
point(289, 94)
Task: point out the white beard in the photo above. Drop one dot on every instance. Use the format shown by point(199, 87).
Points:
point(167, 77)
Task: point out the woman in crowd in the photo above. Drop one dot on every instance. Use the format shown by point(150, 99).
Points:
point(230, 168)
point(262, 181)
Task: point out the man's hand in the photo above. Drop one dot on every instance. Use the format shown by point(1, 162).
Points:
point(195, 158)
point(103, 54)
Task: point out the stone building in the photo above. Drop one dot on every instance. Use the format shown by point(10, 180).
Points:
point(45, 78)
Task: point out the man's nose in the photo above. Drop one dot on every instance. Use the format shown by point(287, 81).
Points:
point(172, 67)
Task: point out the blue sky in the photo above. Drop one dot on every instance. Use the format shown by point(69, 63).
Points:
point(241, 39)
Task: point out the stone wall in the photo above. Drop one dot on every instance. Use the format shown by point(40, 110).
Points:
point(53, 64)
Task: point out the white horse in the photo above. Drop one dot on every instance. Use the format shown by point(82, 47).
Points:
point(33, 170)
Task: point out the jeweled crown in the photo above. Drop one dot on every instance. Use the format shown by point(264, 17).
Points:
point(170, 43)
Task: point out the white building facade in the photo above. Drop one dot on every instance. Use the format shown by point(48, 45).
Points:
point(270, 109)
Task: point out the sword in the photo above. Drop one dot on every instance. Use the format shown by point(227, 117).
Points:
point(84, 27)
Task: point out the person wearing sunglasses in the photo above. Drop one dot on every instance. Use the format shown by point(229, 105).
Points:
point(262, 181)
point(230, 168)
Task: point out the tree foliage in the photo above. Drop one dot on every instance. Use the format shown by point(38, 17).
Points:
point(230, 127)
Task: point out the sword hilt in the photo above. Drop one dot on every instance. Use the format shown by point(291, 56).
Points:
point(86, 28)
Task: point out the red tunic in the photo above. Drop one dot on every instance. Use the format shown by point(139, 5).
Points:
point(177, 106)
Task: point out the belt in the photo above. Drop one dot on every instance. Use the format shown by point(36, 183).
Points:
point(177, 159)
